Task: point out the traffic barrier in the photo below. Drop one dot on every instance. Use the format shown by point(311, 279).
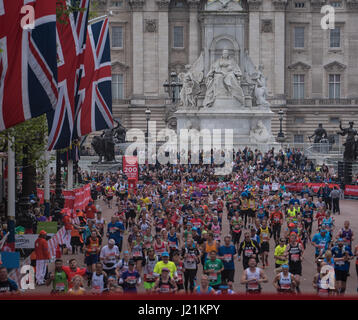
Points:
point(74, 199)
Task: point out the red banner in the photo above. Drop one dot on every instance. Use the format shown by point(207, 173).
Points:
point(351, 191)
point(130, 167)
point(74, 199)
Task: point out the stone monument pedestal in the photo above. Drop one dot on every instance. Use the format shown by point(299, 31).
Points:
point(241, 120)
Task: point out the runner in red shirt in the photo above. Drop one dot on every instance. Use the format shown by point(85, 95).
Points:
point(197, 222)
point(72, 270)
point(276, 220)
point(90, 211)
point(320, 216)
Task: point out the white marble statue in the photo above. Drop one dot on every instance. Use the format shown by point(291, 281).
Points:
point(259, 134)
point(191, 80)
point(260, 87)
point(223, 81)
point(223, 5)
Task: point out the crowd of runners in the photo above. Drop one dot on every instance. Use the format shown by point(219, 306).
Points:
point(167, 235)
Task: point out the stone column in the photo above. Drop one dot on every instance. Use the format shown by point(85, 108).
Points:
point(254, 30)
point(137, 34)
point(279, 68)
point(163, 44)
point(193, 30)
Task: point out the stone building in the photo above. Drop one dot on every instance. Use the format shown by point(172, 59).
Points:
point(312, 73)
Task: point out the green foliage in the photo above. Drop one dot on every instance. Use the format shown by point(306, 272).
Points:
point(29, 136)
point(93, 9)
point(63, 10)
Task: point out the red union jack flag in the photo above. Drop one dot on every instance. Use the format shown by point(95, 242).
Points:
point(71, 35)
point(95, 94)
point(28, 68)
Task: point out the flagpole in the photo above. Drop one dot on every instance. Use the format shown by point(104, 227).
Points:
point(47, 184)
point(70, 174)
point(11, 190)
point(10, 180)
point(97, 19)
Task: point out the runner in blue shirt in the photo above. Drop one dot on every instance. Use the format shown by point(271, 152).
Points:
point(341, 255)
point(321, 242)
point(227, 253)
point(114, 231)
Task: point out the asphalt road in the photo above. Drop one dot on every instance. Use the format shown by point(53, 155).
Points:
point(349, 211)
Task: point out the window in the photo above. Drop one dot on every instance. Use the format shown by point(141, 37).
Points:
point(336, 4)
point(299, 120)
point(298, 138)
point(334, 120)
point(117, 37)
point(117, 4)
point(178, 37)
point(336, 139)
point(298, 86)
point(117, 86)
point(299, 4)
point(179, 4)
point(335, 37)
point(299, 37)
point(334, 84)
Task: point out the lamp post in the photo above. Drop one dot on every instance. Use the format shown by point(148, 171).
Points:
point(58, 189)
point(171, 86)
point(147, 117)
point(280, 135)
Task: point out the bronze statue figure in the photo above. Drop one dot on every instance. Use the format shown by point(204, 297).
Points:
point(104, 144)
point(319, 134)
point(351, 145)
point(119, 133)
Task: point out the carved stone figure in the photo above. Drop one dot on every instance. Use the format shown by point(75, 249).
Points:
point(259, 134)
point(187, 98)
point(150, 25)
point(351, 145)
point(191, 81)
point(223, 5)
point(223, 81)
point(260, 87)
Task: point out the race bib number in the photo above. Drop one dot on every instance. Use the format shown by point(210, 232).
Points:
point(96, 289)
point(227, 257)
point(265, 237)
point(164, 288)
point(172, 244)
point(150, 277)
point(295, 257)
point(249, 252)
point(60, 287)
point(285, 286)
point(137, 254)
point(253, 285)
point(132, 280)
point(213, 276)
point(322, 244)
